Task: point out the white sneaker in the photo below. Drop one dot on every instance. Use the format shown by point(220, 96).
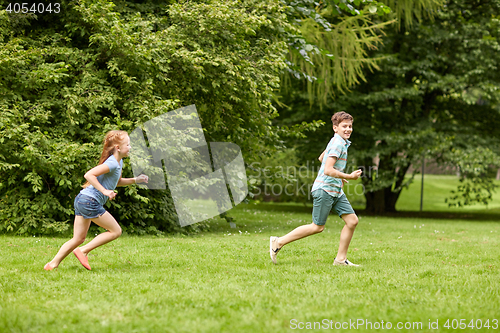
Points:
point(273, 248)
point(343, 263)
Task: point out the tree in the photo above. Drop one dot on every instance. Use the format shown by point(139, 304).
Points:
point(331, 48)
point(67, 78)
point(436, 93)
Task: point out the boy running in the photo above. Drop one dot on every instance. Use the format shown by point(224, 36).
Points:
point(327, 193)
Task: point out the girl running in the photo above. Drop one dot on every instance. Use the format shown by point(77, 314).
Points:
point(100, 185)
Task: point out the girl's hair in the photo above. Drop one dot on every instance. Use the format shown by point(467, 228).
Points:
point(111, 139)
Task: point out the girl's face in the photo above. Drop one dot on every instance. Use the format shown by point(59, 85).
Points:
point(124, 147)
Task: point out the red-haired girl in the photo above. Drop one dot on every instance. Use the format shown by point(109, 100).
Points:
point(100, 185)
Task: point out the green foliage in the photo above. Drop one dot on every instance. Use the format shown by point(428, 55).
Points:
point(331, 50)
point(282, 178)
point(473, 164)
point(407, 12)
point(98, 65)
point(431, 97)
point(339, 64)
point(436, 94)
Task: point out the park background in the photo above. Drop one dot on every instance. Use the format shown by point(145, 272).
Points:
point(420, 78)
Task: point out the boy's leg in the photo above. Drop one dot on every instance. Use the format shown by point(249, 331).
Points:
point(108, 222)
point(276, 243)
point(351, 221)
point(81, 226)
point(322, 205)
point(300, 232)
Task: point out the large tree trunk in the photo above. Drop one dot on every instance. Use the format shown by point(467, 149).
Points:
point(383, 200)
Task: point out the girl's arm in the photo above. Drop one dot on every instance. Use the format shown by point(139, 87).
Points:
point(130, 181)
point(126, 181)
point(91, 177)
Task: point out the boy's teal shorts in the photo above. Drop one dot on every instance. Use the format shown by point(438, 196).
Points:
point(323, 203)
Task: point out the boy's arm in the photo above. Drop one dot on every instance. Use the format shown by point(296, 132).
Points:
point(321, 157)
point(332, 172)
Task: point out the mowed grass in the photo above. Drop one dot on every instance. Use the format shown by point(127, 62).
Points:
point(413, 270)
point(436, 189)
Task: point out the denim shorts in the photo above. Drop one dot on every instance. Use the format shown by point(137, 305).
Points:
point(323, 203)
point(88, 207)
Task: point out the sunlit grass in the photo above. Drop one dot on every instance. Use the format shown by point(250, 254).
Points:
point(413, 270)
point(436, 189)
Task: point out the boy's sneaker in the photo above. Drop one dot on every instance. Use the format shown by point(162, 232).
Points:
point(273, 248)
point(343, 263)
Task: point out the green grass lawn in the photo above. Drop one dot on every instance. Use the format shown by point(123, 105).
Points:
point(414, 270)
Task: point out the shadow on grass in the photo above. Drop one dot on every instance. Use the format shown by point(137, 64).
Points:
point(301, 208)
point(281, 207)
point(438, 215)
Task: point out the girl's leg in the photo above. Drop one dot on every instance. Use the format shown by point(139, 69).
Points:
point(108, 222)
point(351, 221)
point(300, 232)
point(81, 226)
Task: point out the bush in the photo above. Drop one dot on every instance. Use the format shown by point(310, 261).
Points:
point(67, 79)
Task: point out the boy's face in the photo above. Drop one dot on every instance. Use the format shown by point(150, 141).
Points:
point(344, 129)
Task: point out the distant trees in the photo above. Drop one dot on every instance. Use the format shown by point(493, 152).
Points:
point(436, 93)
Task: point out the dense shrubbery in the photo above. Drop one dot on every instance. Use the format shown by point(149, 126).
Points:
point(66, 79)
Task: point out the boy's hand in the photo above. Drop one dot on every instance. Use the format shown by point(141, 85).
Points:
point(344, 181)
point(141, 179)
point(355, 175)
point(110, 194)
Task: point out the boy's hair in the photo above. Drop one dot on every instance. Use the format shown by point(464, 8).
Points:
point(111, 139)
point(341, 116)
